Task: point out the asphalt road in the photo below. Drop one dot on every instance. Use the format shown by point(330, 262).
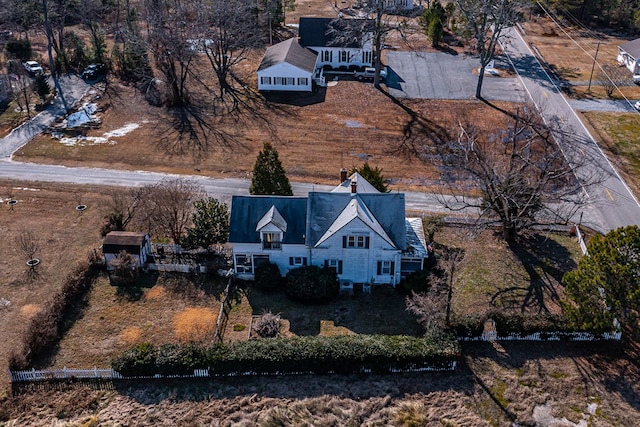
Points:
point(611, 204)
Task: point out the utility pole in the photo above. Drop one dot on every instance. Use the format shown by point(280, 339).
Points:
point(595, 57)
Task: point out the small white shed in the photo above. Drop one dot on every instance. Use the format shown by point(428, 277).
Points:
point(287, 66)
point(136, 244)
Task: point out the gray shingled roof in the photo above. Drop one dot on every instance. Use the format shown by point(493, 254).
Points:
point(314, 32)
point(387, 208)
point(416, 242)
point(632, 48)
point(116, 241)
point(291, 52)
point(355, 209)
point(247, 211)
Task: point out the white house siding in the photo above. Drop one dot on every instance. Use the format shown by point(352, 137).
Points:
point(359, 264)
point(628, 61)
point(284, 77)
point(398, 4)
point(340, 56)
point(280, 257)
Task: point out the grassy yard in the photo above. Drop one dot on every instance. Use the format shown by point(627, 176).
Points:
point(524, 277)
point(619, 135)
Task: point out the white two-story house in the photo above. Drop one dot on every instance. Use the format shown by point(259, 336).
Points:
point(355, 229)
point(340, 43)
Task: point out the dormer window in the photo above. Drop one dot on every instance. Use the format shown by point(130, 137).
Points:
point(271, 240)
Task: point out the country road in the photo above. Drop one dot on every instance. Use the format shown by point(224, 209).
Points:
point(611, 204)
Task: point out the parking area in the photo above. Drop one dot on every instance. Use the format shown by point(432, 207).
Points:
point(447, 76)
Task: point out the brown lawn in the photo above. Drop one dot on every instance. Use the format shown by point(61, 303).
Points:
point(66, 237)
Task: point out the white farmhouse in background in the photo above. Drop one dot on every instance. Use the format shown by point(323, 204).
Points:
point(629, 55)
point(325, 36)
point(287, 66)
point(355, 229)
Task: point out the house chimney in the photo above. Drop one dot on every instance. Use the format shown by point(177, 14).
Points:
point(354, 186)
point(343, 175)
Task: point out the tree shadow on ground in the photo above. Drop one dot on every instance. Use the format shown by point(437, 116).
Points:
point(297, 99)
point(421, 136)
point(545, 262)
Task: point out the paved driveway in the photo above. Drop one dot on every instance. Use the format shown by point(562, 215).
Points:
point(446, 76)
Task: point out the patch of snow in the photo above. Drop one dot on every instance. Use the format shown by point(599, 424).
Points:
point(591, 408)
point(353, 124)
point(96, 140)
point(84, 115)
point(26, 189)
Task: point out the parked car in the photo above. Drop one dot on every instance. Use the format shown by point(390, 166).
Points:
point(636, 79)
point(637, 105)
point(94, 71)
point(33, 68)
point(369, 73)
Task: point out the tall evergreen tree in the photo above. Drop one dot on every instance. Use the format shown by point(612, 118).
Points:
point(606, 284)
point(373, 175)
point(269, 177)
point(210, 224)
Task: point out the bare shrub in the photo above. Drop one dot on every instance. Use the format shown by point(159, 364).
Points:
point(267, 325)
point(125, 271)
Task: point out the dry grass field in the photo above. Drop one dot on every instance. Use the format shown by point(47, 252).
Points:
point(65, 237)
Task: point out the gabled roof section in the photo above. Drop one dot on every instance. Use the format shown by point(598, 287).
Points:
point(632, 48)
point(362, 185)
point(387, 209)
point(355, 209)
point(316, 32)
point(272, 217)
point(248, 211)
point(416, 243)
point(291, 52)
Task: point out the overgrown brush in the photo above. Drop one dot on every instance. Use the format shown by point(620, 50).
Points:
point(267, 325)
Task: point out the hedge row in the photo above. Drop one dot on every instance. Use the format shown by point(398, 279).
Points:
point(314, 354)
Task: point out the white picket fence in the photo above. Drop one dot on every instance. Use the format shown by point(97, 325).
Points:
point(109, 374)
point(546, 336)
point(87, 374)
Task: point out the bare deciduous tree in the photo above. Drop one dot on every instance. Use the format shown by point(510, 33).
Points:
point(611, 76)
point(487, 20)
point(166, 208)
point(520, 173)
point(433, 308)
point(28, 244)
point(172, 24)
point(230, 32)
point(119, 210)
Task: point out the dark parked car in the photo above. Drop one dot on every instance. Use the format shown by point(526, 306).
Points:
point(94, 71)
